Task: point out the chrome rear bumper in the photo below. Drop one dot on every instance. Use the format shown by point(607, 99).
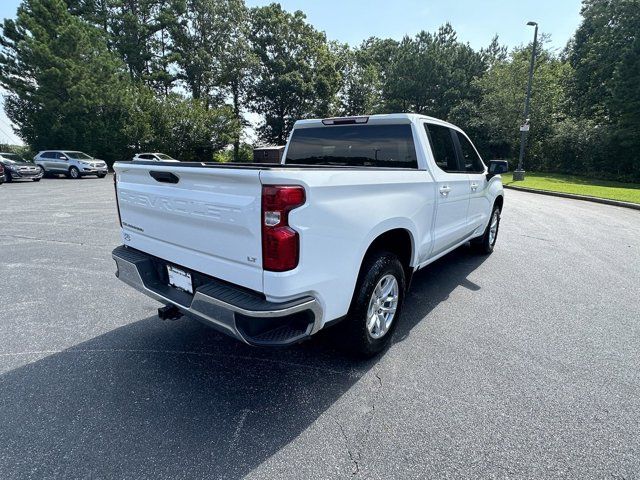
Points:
point(240, 313)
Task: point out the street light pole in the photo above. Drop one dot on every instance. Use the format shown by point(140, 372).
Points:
point(524, 129)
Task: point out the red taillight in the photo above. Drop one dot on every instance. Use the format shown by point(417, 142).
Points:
point(115, 187)
point(280, 243)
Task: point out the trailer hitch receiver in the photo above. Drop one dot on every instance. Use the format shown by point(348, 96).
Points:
point(169, 312)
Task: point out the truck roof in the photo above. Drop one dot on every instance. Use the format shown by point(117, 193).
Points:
point(370, 119)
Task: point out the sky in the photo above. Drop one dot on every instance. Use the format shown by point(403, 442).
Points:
point(352, 21)
point(476, 22)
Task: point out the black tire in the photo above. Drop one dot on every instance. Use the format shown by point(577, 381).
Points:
point(7, 177)
point(102, 175)
point(355, 336)
point(74, 173)
point(485, 244)
point(35, 179)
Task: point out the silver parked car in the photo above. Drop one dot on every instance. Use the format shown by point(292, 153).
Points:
point(71, 163)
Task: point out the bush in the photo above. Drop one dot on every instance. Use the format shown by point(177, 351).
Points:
point(583, 147)
point(245, 154)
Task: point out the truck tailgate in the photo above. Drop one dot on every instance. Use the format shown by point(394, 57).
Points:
point(208, 221)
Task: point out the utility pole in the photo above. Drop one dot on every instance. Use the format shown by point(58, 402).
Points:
point(524, 128)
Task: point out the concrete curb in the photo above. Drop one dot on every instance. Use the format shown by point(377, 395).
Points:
point(606, 201)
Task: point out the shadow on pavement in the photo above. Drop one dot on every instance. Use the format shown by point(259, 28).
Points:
point(160, 399)
point(433, 285)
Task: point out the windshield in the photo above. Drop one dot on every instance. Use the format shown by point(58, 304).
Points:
point(354, 145)
point(11, 158)
point(78, 156)
point(162, 156)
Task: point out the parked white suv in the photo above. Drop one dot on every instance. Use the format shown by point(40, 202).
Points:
point(71, 163)
point(154, 157)
point(271, 254)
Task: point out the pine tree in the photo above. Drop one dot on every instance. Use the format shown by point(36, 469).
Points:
point(66, 89)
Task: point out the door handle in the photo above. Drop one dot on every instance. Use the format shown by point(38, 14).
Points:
point(474, 186)
point(444, 190)
point(164, 177)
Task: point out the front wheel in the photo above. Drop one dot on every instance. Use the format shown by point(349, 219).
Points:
point(376, 305)
point(74, 173)
point(35, 179)
point(102, 175)
point(487, 241)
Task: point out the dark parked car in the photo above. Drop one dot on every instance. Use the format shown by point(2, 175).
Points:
point(17, 168)
point(1, 174)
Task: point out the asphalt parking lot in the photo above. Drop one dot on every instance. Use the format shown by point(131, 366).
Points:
point(522, 364)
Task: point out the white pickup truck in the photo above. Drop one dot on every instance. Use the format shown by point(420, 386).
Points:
point(271, 254)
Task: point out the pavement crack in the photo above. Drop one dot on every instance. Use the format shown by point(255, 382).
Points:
point(373, 401)
point(377, 374)
point(355, 459)
point(536, 238)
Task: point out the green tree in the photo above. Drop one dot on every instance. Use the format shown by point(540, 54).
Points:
point(244, 155)
point(96, 12)
point(66, 89)
point(625, 109)
point(298, 74)
point(605, 36)
point(494, 120)
point(605, 55)
point(432, 73)
point(199, 37)
point(494, 53)
point(237, 62)
point(139, 32)
point(188, 129)
point(361, 91)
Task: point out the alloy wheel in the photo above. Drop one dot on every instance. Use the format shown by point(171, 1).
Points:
point(382, 306)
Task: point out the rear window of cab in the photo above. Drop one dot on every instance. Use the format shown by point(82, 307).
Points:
point(389, 146)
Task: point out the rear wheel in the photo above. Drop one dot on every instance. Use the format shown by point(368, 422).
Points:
point(74, 173)
point(35, 179)
point(376, 305)
point(7, 176)
point(487, 241)
point(102, 175)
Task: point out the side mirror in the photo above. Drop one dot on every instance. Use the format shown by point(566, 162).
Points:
point(496, 167)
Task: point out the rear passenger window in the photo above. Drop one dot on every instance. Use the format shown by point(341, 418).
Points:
point(47, 155)
point(444, 150)
point(470, 158)
point(389, 146)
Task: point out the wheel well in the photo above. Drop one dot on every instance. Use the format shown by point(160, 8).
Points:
point(397, 241)
point(499, 201)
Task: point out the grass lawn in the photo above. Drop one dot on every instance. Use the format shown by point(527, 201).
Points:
point(555, 182)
